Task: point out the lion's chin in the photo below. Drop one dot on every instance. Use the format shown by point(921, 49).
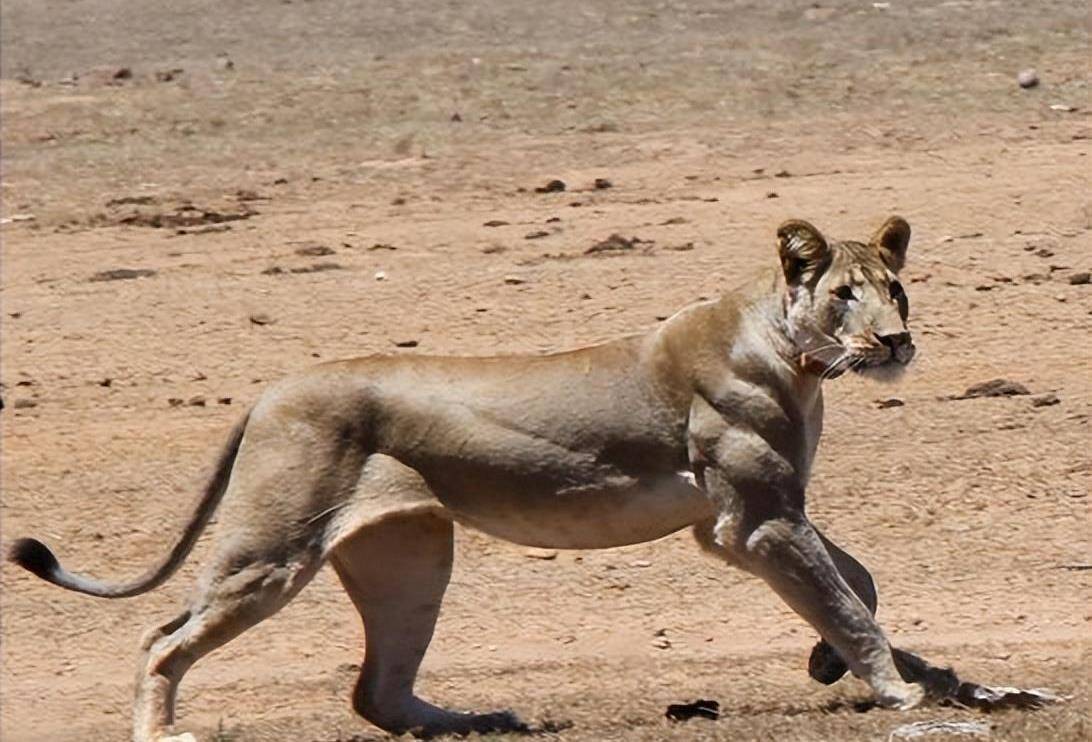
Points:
point(885, 373)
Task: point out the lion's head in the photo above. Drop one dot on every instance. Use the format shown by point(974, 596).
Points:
point(844, 305)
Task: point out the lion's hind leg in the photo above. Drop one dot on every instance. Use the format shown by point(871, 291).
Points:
point(237, 593)
point(396, 571)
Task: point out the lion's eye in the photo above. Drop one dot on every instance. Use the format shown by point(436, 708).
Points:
point(845, 293)
point(900, 298)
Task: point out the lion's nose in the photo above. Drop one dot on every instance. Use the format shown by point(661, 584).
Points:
point(900, 345)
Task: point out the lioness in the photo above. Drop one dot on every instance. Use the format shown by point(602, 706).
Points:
point(710, 420)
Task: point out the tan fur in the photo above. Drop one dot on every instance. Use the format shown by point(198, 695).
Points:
point(711, 420)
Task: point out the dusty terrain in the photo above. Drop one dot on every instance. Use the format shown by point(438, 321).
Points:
point(315, 180)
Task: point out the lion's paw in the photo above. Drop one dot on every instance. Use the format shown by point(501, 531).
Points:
point(183, 737)
point(901, 696)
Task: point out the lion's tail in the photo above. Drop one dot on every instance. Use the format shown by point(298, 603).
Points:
point(33, 555)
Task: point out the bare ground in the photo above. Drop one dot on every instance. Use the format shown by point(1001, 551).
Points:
point(258, 201)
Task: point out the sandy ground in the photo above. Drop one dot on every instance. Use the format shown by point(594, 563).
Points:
point(262, 165)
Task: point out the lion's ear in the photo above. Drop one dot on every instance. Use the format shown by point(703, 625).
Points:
point(802, 249)
point(891, 240)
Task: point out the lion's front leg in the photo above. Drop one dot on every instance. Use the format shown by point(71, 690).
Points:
point(763, 529)
point(825, 664)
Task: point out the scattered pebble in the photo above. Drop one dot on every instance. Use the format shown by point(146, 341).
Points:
point(602, 184)
point(223, 400)
point(884, 404)
point(1045, 400)
point(536, 235)
point(315, 250)
point(122, 274)
point(544, 554)
point(495, 223)
point(616, 243)
point(24, 404)
point(261, 319)
point(406, 343)
point(224, 63)
point(702, 708)
point(1063, 107)
point(1080, 279)
point(514, 280)
point(1028, 78)
point(772, 194)
point(196, 401)
point(553, 186)
point(641, 563)
point(661, 642)
point(380, 275)
point(993, 388)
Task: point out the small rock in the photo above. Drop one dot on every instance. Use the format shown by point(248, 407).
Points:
point(315, 250)
point(553, 186)
point(772, 194)
point(514, 280)
point(884, 404)
point(196, 401)
point(1080, 279)
point(107, 382)
point(782, 174)
point(616, 243)
point(318, 268)
point(223, 400)
point(381, 246)
point(1063, 108)
point(261, 319)
point(536, 235)
point(641, 563)
point(544, 554)
point(24, 404)
point(1045, 400)
point(406, 343)
point(993, 388)
point(495, 223)
point(398, 201)
point(224, 62)
point(456, 118)
point(1044, 253)
point(168, 75)
point(661, 642)
point(1028, 78)
point(380, 275)
point(174, 401)
point(122, 274)
point(702, 707)
point(602, 184)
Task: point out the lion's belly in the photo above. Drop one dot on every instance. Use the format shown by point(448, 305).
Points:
point(590, 517)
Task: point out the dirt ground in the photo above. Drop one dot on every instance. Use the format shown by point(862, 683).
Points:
point(201, 197)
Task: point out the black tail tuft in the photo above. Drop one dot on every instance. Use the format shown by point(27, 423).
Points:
point(34, 556)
